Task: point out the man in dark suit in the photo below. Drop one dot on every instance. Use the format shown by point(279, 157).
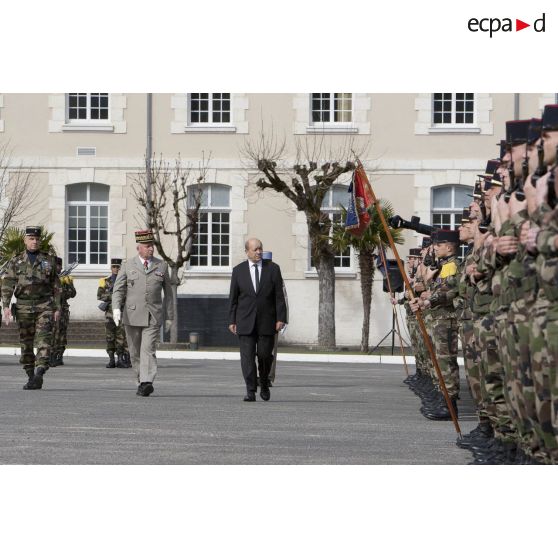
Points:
point(257, 310)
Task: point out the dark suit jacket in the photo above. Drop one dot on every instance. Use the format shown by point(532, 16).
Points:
point(264, 308)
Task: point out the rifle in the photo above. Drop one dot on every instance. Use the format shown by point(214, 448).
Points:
point(68, 269)
point(541, 167)
point(513, 185)
point(519, 193)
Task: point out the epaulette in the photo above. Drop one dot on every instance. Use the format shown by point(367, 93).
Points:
point(102, 283)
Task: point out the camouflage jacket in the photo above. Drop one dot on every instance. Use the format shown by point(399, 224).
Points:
point(522, 273)
point(444, 288)
point(35, 286)
point(547, 259)
point(104, 293)
point(68, 290)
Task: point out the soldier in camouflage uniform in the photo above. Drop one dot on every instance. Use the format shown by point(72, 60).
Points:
point(31, 277)
point(463, 305)
point(540, 243)
point(115, 335)
point(439, 299)
point(60, 332)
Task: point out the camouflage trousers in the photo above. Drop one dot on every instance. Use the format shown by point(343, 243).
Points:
point(541, 364)
point(60, 331)
point(471, 358)
point(115, 336)
point(417, 343)
point(551, 334)
point(445, 337)
point(429, 366)
point(518, 339)
point(35, 328)
point(492, 377)
point(501, 328)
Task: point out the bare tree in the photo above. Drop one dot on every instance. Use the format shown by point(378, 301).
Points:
point(170, 195)
point(17, 191)
point(305, 182)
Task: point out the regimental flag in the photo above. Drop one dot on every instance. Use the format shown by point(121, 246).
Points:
point(360, 201)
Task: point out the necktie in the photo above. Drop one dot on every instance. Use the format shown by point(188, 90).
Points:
point(145, 265)
point(257, 272)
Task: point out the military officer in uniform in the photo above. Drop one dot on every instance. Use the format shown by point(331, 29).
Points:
point(60, 329)
point(138, 289)
point(115, 335)
point(32, 278)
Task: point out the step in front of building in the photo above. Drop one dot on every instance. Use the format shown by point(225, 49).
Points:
point(80, 332)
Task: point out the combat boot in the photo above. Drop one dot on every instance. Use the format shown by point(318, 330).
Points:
point(120, 361)
point(30, 373)
point(52, 359)
point(60, 357)
point(442, 412)
point(111, 363)
point(38, 377)
point(126, 360)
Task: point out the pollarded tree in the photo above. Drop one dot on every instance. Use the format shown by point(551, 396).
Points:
point(305, 182)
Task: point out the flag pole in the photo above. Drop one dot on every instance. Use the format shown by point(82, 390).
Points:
point(391, 293)
point(425, 336)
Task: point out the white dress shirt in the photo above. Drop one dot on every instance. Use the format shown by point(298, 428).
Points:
point(253, 272)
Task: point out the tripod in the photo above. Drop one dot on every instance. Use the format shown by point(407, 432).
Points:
point(391, 332)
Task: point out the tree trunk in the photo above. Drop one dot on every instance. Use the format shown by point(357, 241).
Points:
point(366, 265)
point(326, 308)
point(174, 285)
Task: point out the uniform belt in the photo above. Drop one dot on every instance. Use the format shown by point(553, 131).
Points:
point(32, 302)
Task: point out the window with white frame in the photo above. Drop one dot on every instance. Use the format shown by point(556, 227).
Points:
point(331, 206)
point(87, 107)
point(447, 207)
point(331, 108)
point(209, 108)
point(453, 108)
point(87, 223)
point(211, 245)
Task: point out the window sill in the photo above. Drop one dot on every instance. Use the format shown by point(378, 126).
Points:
point(338, 274)
point(201, 273)
point(97, 271)
point(210, 129)
point(75, 127)
point(330, 129)
point(454, 130)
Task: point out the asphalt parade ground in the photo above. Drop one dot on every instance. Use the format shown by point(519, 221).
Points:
point(319, 413)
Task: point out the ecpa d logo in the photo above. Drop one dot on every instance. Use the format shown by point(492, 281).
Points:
point(493, 25)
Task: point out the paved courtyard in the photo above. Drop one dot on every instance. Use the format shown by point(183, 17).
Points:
point(318, 414)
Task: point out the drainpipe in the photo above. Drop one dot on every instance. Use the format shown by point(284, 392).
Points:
point(516, 106)
point(149, 152)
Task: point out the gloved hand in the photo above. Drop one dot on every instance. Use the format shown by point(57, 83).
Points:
point(116, 316)
point(168, 324)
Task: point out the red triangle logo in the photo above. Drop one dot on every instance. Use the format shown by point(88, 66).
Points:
point(519, 25)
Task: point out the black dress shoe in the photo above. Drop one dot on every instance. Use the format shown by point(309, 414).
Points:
point(250, 396)
point(265, 394)
point(146, 389)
